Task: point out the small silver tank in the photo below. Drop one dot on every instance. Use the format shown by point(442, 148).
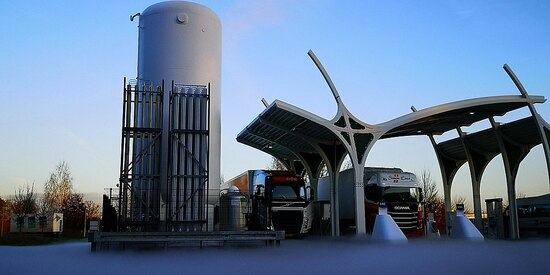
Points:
point(233, 207)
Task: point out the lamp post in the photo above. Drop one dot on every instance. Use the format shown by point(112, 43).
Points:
point(2, 218)
point(84, 230)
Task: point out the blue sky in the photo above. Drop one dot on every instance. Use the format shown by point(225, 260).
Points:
point(62, 65)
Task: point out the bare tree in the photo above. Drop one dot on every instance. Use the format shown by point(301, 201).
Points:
point(59, 186)
point(44, 210)
point(73, 213)
point(429, 191)
point(461, 200)
point(433, 203)
point(93, 210)
point(519, 195)
point(24, 203)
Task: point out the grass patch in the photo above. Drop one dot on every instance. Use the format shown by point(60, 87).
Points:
point(27, 239)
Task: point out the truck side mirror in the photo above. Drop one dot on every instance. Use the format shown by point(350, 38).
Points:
point(259, 192)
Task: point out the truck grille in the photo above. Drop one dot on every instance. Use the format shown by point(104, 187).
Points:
point(289, 221)
point(405, 220)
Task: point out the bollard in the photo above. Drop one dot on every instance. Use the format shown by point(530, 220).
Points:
point(385, 228)
point(463, 228)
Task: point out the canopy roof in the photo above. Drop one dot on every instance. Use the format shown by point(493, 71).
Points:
point(521, 132)
point(288, 132)
point(302, 140)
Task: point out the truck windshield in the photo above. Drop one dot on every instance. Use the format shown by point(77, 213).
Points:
point(287, 192)
point(401, 194)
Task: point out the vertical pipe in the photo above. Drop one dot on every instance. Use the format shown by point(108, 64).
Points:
point(192, 156)
point(203, 158)
point(175, 155)
point(181, 155)
point(186, 157)
point(153, 136)
point(163, 169)
point(132, 150)
point(198, 155)
point(153, 149)
point(204, 202)
point(144, 158)
point(135, 151)
point(158, 144)
point(200, 208)
point(208, 144)
point(142, 194)
point(170, 184)
point(150, 140)
point(150, 156)
point(168, 157)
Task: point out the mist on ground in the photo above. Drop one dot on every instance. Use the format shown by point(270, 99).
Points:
point(307, 256)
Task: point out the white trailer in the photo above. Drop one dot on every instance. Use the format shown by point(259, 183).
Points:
point(398, 189)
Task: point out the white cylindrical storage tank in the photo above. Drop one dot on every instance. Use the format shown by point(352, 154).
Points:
point(181, 42)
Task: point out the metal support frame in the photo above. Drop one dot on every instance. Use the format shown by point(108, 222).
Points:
point(448, 167)
point(333, 156)
point(329, 154)
point(511, 175)
point(139, 181)
point(188, 158)
point(477, 162)
point(356, 138)
point(164, 158)
point(542, 126)
point(512, 155)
